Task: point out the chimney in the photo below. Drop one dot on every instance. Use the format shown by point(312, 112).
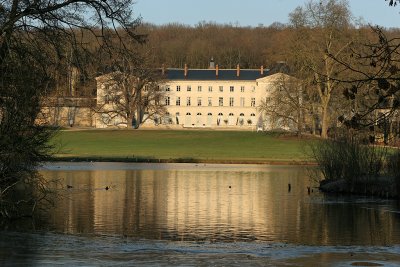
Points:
point(237, 70)
point(186, 70)
point(212, 64)
point(216, 70)
point(262, 70)
point(162, 69)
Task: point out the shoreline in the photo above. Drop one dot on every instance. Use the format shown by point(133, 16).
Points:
point(183, 160)
point(379, 187)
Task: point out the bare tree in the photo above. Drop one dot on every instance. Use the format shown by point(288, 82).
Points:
point(393, 2)
point(131, 94)
point(287, 103)
point(372, 86)
point(35, 38)
point(325, 25)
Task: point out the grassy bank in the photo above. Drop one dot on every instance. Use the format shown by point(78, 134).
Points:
point(180, 146)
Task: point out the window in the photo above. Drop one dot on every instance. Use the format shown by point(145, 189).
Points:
point(242, 101)
point(188, 114)
point(199, 88)
point(146, 101)
point(231, 101)
point(241, 114)
point(231, 115)
point(177, 114)
point(242, 89)
point(198, 114)
point(106, 99)
point(253, 102)
point(199, 101)
point(178, 88)
point(210, 88)
point(220, 114)
point(231, 89)
point(252, 115)
point(221, 101)
point(178, 101)
point(253, 89)
point(210, 101)
point(209, 114)
point(167, 89)
point(188, 101)
point(189, 88)
point(167, 101)
point(221, 88)
point(146, 88)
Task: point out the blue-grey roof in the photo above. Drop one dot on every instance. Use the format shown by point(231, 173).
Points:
point(210, 74)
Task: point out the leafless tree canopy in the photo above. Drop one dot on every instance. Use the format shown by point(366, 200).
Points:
point(322, 28)
point(286, 104)
point(392, 2)
point(132, 93)
point(36, 37)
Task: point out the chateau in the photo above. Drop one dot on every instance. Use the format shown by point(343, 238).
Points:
point(192, 98)
point(205, 98)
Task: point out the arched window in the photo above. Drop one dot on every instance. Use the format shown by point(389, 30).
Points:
point(220, 114)
point(199, 114)
point(188, 113)
point(252, 114)
point(209, 114)
point(241, 115)
point(230, 114)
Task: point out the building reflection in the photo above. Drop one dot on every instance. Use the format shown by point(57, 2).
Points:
point(214, 206)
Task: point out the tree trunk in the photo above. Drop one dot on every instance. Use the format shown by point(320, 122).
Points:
point(324, 122)
point(299, 122)
point(130, 118)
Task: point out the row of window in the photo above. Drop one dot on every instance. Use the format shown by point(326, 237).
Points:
point(210, 101)
point(210, 88)
point(177, 114)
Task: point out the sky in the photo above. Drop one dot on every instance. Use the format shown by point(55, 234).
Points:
point(252, 12)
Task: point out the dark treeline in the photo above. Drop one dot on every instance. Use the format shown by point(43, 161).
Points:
point(177, 44)
point(229, 45)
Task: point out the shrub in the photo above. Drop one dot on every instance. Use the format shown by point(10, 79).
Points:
point(347, 158)
point(393, 166)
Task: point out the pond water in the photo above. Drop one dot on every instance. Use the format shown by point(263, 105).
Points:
point(201, 215)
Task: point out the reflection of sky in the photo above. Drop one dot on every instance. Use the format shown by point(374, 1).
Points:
point(226, 204)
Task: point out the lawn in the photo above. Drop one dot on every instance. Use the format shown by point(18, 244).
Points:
point(185, 145)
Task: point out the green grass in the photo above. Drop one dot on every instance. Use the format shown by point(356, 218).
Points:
point(179, 146)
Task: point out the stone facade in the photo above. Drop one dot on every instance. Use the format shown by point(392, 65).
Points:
point(68, 112)
point(194, 98)
point(206, 98)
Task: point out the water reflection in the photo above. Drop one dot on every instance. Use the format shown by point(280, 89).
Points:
point(211, 203)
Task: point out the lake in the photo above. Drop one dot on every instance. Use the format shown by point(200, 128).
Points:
point(201, 215)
